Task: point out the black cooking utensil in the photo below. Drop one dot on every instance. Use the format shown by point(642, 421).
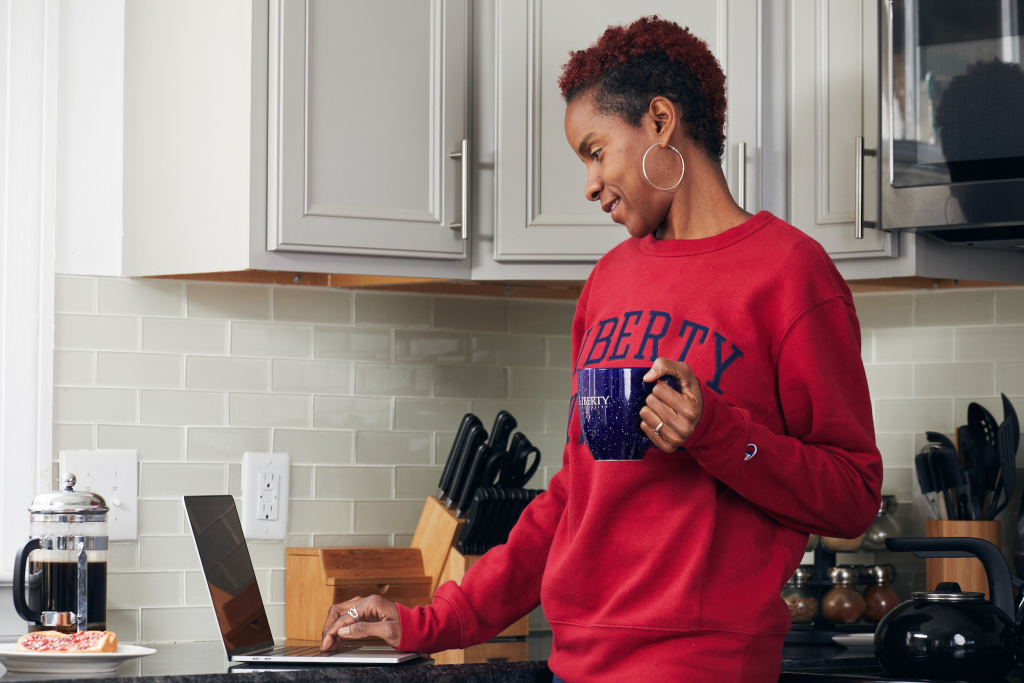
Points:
point(1013, 443)
point(984, 431)
point(925, 480)
point(477, 437)
point(945, 501)
point(445, 485)
point(951, 479)
point(1006, 479)
point(941, 439)
point(975, 491)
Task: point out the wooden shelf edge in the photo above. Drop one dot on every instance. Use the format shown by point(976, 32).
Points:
point(568, 290)
point(893, 284)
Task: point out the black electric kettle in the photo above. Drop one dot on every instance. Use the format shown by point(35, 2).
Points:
point(949, 634)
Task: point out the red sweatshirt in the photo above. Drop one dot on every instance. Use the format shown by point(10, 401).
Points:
point(673, 565)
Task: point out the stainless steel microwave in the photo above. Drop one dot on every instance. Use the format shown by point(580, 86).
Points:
point(951, 106)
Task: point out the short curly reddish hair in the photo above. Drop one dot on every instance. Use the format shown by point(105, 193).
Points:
point(631, 65)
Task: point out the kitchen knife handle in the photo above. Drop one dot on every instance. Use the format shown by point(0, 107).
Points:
point(858, 196)
point(464, 157)
point(477, 464)
point(469, 420)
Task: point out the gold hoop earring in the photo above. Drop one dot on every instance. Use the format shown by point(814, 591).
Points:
point(643, 166)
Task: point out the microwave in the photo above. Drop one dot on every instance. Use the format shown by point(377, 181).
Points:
point(951, 108)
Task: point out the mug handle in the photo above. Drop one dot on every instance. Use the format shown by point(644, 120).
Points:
point(20, 562)
point(645, 441)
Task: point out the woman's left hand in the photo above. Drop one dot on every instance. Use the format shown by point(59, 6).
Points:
point(680, 411)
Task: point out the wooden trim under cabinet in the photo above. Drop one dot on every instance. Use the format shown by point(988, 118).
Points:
point(568, 290)
point(557, 290)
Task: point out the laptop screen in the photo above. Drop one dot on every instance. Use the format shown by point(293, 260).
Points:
point(229, 574)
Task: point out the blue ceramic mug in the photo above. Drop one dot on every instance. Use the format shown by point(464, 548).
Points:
point(609, 402)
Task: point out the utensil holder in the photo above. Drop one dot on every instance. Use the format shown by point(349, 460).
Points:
point(967, 572)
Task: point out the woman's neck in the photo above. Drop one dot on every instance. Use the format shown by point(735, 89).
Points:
point(702, 205)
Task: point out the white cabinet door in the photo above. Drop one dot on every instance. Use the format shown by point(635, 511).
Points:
point(367, 101)
point(541, 213)
point(834, 99)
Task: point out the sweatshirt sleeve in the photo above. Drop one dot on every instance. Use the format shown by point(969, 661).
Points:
point(501, 587)
point(823, 476)
point(504, 584)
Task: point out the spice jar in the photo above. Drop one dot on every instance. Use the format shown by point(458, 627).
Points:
point(812, 542)
point(880, 598)
point(885, 526)
point(798, 596)
point(843, 604)
point(842, 545)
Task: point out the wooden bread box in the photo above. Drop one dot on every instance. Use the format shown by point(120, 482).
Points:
point(317, 578)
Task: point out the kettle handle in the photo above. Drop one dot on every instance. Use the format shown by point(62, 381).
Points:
point(1000, 587)
point(20, 562)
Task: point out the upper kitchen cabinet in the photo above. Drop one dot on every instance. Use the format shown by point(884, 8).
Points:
point(297, 135)
point(540, 212)
point(834, 101)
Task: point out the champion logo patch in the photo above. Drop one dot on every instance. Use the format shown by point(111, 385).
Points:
point(751, 451)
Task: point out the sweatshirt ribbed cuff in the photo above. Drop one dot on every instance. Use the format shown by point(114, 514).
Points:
point(433, 628)
point(719, 431)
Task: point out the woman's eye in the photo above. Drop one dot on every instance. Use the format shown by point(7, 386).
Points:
point(596, 154)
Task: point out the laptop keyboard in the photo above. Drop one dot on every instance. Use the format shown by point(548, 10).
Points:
point(301, 651)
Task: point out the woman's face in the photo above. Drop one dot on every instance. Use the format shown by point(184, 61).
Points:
point(613, 152)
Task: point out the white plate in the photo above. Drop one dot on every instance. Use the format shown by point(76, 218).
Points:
point(856, 640)
point(68, 662)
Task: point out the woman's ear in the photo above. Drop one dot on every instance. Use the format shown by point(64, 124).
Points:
point(663, 119)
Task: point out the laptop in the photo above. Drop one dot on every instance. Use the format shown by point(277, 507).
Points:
point(241, 615)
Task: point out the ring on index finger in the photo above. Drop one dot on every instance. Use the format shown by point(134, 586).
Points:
point(354, 614)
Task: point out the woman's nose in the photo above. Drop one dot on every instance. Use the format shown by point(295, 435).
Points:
point(594, 187)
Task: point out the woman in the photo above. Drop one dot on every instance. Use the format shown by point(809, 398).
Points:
point(673, 565)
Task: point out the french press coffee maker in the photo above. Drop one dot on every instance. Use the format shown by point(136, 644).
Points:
point(60, 580)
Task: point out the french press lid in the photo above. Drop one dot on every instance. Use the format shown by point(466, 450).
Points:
point(69, 501)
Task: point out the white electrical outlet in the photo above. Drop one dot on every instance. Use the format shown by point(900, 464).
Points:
point(113, 474)
point(265, 484)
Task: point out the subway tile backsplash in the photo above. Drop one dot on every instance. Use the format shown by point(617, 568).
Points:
point(365, 389)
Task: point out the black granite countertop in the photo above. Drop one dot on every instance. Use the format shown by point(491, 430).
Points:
point(205, 662)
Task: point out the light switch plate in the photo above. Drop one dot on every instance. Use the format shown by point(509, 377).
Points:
point(265, 484)
point(113, 474)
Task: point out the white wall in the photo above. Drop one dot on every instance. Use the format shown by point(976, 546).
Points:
point(89, 135)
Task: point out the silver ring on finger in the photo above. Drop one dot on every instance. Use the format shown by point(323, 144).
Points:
point(660, 425)
point(354, 614)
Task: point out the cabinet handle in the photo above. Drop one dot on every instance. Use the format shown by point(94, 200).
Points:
point(741, 186)
point(463, 225)
point(858, 196)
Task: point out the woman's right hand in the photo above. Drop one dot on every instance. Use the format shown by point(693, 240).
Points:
point(378, 618)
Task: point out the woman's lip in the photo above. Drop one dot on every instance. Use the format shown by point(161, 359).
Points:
point(615, 205)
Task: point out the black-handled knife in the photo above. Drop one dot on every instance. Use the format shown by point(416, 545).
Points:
point(444, 486)
point(477, 437)
point(504, 423)
point(480, 462)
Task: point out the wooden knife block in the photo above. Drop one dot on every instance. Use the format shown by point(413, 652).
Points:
point(316, 578)
point(436, 534)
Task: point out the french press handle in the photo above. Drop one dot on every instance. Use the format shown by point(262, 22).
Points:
point(20, 562)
